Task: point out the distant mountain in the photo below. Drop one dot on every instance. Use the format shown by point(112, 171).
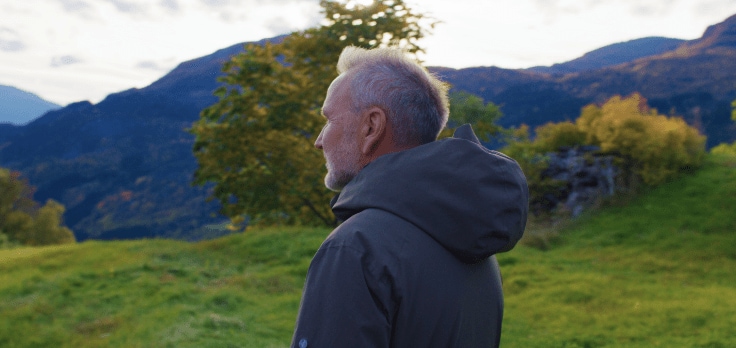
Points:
point(695, 80)
point(20, 107)
point(614, 54)
point(123, 167)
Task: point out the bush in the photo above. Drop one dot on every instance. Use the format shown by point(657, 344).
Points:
point(21, 219)
point(530, 156)
point(725, 149)
point(651, 148)
point(553, 136)
point(656, 147)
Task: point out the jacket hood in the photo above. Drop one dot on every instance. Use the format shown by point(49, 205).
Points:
point(471, 200)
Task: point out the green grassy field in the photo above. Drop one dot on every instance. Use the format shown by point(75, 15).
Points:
point(657, 272)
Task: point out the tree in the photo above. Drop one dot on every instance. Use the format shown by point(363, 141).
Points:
point(21, 219)
point(725, 148)
point(256, 143)
point(469, 108)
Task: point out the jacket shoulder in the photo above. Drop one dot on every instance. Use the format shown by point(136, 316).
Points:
point(371, 227)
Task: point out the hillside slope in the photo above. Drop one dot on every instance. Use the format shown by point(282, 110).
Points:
point(657, 272)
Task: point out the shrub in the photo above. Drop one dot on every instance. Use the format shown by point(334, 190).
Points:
point(21, 219)
point(651, 148)
point(724, 149)
point(655, 146)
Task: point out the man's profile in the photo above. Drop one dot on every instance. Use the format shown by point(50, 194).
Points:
point(412, 264)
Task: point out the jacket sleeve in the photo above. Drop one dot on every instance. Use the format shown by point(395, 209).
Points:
point(344, 304)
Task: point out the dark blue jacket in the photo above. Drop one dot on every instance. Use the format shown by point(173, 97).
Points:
point(412, 264)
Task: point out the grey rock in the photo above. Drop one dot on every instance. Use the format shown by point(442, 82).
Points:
point(587, 175)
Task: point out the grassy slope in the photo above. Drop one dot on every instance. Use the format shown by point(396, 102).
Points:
point(657, 272)
point(239, 291)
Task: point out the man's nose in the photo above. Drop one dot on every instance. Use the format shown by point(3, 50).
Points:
point(318, 142)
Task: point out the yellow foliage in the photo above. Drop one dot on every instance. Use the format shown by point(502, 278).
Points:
point(658, 146)
point(724, 149)
point(553, 136)
point(652, 147)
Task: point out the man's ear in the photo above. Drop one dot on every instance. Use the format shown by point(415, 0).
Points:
point(373, 130)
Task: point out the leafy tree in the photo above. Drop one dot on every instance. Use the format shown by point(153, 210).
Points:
point(469, 108)
point(22, 221)
point(256, 143)
point(725, 148)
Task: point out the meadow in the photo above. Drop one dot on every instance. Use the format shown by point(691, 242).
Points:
point(655, 270)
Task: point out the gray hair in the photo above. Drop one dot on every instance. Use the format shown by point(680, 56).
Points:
point(414, 100)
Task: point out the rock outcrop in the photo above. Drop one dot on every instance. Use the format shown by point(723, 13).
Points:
point(587, 177)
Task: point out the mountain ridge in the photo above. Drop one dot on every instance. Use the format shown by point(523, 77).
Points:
point(614, 54)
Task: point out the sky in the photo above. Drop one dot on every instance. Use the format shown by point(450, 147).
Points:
point(73, 50)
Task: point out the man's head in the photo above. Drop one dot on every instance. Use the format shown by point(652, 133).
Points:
point(381, 102)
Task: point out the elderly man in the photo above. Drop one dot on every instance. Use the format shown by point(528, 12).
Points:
point(412, 263)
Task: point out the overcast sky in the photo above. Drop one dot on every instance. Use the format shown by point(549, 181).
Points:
point(73, 50)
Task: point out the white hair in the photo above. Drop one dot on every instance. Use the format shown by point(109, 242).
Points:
point(414, 100)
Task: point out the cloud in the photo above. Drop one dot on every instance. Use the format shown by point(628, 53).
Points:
point(712, 7)
point(280, 25)
point(74, 5)
point(126, 6)
point(64, 60)
point(151, 65)
point(10, 40)
point(217, 3)
point(655, 8)
point(171, 5)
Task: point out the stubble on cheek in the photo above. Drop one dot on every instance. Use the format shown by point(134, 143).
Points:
point(341, 167)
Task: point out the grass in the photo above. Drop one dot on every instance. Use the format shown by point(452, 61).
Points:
point(656, 272)
point(241, 291)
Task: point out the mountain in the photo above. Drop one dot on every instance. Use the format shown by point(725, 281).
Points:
point(695, 80)
point(20, 107)
point(614, 54)
point(123, 167)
